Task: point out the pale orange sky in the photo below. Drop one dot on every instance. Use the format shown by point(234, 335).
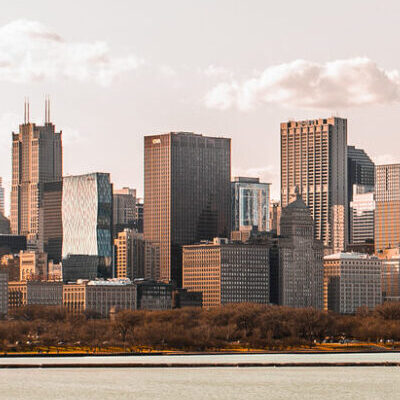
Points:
point(119, 70)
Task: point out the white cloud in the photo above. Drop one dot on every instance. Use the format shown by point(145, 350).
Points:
point(310, 85)
point(30, 51)
point(217, 72)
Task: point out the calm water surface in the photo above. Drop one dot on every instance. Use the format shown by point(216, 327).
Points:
point(205, 383)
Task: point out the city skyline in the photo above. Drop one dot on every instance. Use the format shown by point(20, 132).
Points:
point(175, 74)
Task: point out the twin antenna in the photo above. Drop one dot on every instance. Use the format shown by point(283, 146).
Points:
point(46, 110)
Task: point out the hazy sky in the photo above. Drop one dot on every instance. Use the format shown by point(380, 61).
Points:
point(119, 70)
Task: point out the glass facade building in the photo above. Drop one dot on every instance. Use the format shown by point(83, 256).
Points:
point(87, 217)
point(250, 204)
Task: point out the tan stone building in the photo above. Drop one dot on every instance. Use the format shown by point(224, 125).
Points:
point(99, 296)
point(351, 281)
point(390, 274)
point(33, 265)
point(227, 272)
point(130, 253)
point(314, 163)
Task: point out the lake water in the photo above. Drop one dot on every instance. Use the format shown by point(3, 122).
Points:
point(205, 383)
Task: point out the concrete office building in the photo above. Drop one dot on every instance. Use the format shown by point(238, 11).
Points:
point(351, 281)
point(87, 226)
point(36, 159)
point(390, 274)
point(250, 204)
point(187, 195)
point(297, 260)
point(227, 272)
point(314, 163)
point(129, 254)
point(3, 294)
point(362, 214)
point(387, 211)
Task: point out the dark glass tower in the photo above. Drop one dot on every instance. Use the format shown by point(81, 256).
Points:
point(187, 195)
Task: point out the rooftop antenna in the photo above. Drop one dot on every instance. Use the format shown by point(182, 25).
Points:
point(25, 110)
point(48, 109)
point(45, 110)
point(28, 109)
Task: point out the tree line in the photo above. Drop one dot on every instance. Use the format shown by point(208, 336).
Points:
point(234, 326)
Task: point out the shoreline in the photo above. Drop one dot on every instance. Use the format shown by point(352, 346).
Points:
point(203, 365)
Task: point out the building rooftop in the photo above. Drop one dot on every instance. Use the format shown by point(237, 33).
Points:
point(350, 256)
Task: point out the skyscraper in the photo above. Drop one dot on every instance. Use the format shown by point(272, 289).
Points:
point(250, 204)
point(36, 159)
point(87, 224)
point(314, 162)
point(362, 214)
point(387, 211)
point(2, 210)
point(187, 195)
point(296, 260)
point(360, 171)
point(124, 209)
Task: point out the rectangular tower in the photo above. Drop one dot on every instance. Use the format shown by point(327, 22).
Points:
point(186, 195)
point(250, 204)
point(387, 211)
point(36, 159)
point(87, 225)
point(314, 163)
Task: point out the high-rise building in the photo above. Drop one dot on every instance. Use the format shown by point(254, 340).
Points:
point(275, 210)
point(2, 206)
point(187, 196)
point(124, 209)
point(314, 163)
point(361, 172)
point(51, 220)
point(87, 224)
point(4, 225)
point(387, 211)
point(129, 254)
point(351, 281)
point(250, 204)
point(296, 260)
point(362, 214)
point(36, 159)
point(227, 272)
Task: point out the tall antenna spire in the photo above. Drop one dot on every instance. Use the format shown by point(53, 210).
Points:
point(28, 109)
point(45, 110)
point(48, 109)
point(25, 110)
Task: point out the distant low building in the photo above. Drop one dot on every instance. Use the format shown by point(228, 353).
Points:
point(227, 272)
point(152, 295)
point(182, 298)
point(34, 293)
point(351, 281)
point(99, 296)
